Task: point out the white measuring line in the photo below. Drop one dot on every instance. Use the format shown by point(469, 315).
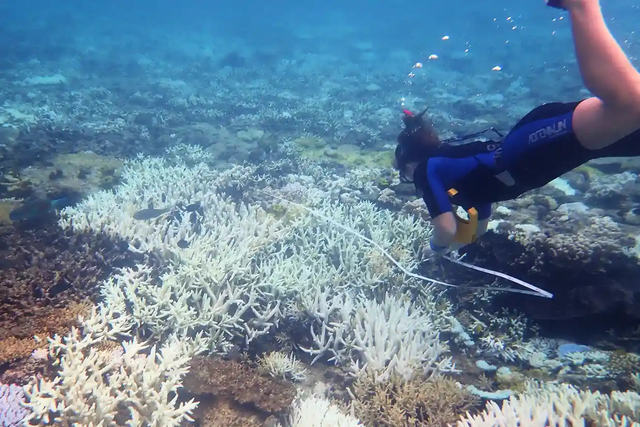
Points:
point(533, 290)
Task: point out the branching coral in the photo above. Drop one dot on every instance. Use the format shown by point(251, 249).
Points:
point(280, 365)
point(44, 269)
point(419, 402)
point(394, 337)
point(106, 387)
point(555, 405)
point(11, 411)
point(316, 411)
point(234, 271)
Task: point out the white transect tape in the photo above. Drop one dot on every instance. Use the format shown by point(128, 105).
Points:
point(535, 291)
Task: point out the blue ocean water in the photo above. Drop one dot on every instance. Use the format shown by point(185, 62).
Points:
point(314, 51)
point(238, 81)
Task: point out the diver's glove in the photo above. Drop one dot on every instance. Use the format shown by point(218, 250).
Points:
point(555, 3)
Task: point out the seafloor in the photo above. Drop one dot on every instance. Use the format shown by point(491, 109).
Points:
point(242, 253)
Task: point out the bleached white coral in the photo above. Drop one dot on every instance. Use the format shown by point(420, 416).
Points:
point(315, 411)
point(393, 336)
point(556, 405)
point(109, 388)
point(232, 270)
point(208, 285)
point(278, 364)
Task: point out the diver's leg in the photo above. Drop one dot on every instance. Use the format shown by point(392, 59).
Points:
point(606, 71)
point(483, 224)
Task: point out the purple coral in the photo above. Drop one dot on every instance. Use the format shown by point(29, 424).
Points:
point(11, 412)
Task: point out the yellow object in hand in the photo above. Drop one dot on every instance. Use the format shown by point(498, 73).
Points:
point(466, 228)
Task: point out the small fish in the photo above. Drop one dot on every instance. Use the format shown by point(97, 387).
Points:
point(39, 208)
point(152, 213)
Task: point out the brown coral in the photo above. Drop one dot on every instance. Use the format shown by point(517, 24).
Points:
point(417, 403)
point(82, 172)
point(226, 413)
point(57, 321)
point(237, 385)
point(44, 269)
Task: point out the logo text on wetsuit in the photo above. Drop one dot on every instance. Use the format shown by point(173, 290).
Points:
point(551, 131)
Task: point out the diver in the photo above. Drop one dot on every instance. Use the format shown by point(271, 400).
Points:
point(549, 141)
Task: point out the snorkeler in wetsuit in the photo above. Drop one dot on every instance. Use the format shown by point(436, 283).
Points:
point(549, 141)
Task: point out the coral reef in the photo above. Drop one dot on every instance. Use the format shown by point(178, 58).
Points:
point(43, 268)
point(317, 411)
point(558, 404)
point(11, 411)
point(581, 255)
point(29, 334)
point(131, 383)
point(233, 384)
point(82, 172)
point(249, 269)
point(280, 365)
point(265, 258)
point(316, 148)
point(420, 402)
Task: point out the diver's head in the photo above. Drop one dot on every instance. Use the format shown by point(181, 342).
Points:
point(416, 142)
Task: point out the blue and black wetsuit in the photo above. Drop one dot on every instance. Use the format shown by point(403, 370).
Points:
point(541, 147)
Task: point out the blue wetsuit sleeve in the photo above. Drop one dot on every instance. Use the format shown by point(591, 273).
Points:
point(484, 211)
point(435, 192)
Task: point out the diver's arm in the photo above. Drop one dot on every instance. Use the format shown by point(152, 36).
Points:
point(483, 224)
point(444, 231)
point(439, 205)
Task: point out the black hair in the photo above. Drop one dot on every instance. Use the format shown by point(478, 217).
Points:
point(416, 142)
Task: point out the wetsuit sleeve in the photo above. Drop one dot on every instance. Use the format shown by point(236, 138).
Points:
point(484, 211)
point(435, 192)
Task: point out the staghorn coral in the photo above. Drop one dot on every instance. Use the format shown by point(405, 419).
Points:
point(97, 385)
point(419, 402)
point(556, 405)
point(279, 364)
point(11, 411)
point(237, 271)
point(238, 382)
point(318, 411)
point(44, 269)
